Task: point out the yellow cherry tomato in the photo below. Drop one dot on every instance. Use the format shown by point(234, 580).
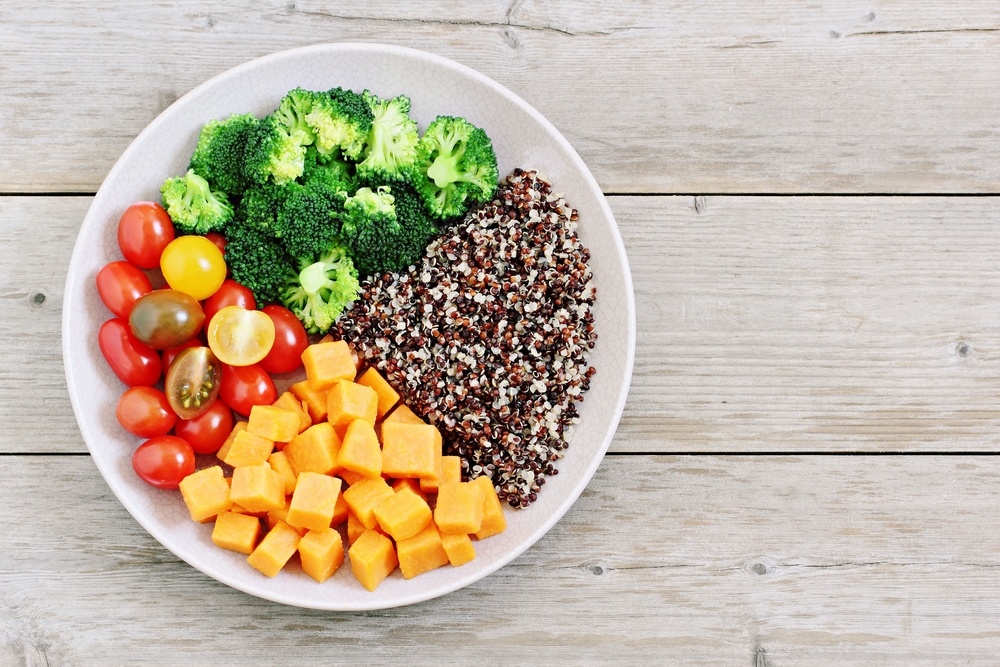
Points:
point(193, 265)
point(240, 337)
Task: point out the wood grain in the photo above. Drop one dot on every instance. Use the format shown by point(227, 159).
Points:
point(666, 97)
point(693, 560)
point(764, 323)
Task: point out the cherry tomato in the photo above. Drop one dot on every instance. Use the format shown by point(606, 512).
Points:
point(166, 318)
point(193, 265)
point(171, 353)
point(207, 432)
point(145, 412)
point(230, 294)
point(135, 364)
point(246, 386)
point(144, 231)
point(164, 461)
point(218, 239)
point(120, 284)
point(240, 337)
point(193, 382)
point(290, 341)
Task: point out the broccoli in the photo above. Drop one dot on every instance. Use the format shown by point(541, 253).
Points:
point(261, 204)
point(340, 119)
point(258, 262)
point(321, 289)
point(455, 164)
point(292, 112)
point(391, 147)
point(192, 205)
point(219, 155)
point(307, 222)
point(381, 242)
point(273, 154)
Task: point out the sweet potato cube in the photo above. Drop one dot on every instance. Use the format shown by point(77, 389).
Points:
point(350, 477)
point(275, 549)
point(248, 450)
point(347, 401)
point(258, 488)
point(206, 493)
point(365, 496)
point(288, 401)
point(314, 400)
point(405, 415)
point(372, 559)
point(459, 548)
point(236, 532)
point(354, 527)
point(360, 451)
point(322, 553)
point(387, 396)
point(430, 484)
point(328, 363)
point(313, 502)
point(409, 484)
point(314, 450)
point(451, 469)
point(340, 511)
point(238, 427)
point(459, 507)
point(409, 450)
point(275, 424)
point(239, 509)
point(274, 517)
point(494, 521)
point(421, 553)
point(404, 515)
point(279, 464)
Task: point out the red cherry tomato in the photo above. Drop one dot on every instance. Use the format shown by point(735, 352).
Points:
point(246, 386)
point(171, 353)
point(145, 412)
point(290, 341)
point(207, 432)
point(230, 294)
point(164, 461)
point(120, 284)
point(218, 239)
point(135, 364)
point(144, 231)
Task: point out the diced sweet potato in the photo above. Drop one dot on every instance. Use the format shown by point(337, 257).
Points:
point(340, 511)
point(459, 548)
point(328, 363)
point(275, 424)
point(387, 396)
point(313, 502)
point(236, 532)
point(451, 469)
point(248, 450)
point(347, 401)
point(459, 507)
point(494, 521)
point(430, 484)
point(372, 559)
point(275, 549)
point(258, 488)
point(288, 401)
point(279, 464)
point(409, 450)
point(365, 496)
point(314, 450)
point(238, 427)
point(403, 515)
point(321, 553)
point(404, 415)
point(360, 451)
point(276, 516)
point(350, 477)
point(206, 493)
point(313, 399)
point(421, 553)
point(410, 484)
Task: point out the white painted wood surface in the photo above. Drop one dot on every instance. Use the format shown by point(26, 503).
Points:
point(767, 326)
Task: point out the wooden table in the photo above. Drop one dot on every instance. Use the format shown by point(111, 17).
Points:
point(803, 474)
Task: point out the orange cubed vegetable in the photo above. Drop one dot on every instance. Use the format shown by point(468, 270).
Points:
point(288, 401)
point(275, 549)
point(360, 451)
point(206, 493)
point(387, 396)
point(494, 521)
point(279, 464)
point(322, 553)
point(459, 507)
point(405, 415)
point(248, 450)
point(274, 517)
point(238, 427)
point(314, 400)
point(410, 484)
point(239, 509)
point(350, 477)
point(275, 424)
point(340, 512)
point(404, 515)
point(409, 450)
point(313, 502)
point(354, 527)
point(328, 363)
point(451, 469)
point(459, 548)
point(431, 484)
point(347, 401)
point(372, 559)
point(258, 488)
point(314, 450)
point(236, 532)
point(365, 496)
point(421, 553)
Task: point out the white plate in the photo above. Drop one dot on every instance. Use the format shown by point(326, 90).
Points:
point(522, 138)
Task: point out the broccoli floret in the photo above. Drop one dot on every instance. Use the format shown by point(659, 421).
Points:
point(261, 204)
point(192, 205)
point(332, 166)
point(318, 293)
point(456, 165)
point(377, 243)
point(259, 262)
point(219, 156)
point(273, 154)
point(292, 112)
point(307, 222)
point(391, 146)
point(340, 119)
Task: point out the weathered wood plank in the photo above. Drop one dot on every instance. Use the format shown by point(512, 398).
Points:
point(656, 96)
point(765, 323)
point(697, 560)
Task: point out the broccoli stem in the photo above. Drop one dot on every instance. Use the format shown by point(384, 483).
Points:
point(313, 278)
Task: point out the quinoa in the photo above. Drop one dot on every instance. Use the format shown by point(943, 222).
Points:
point(488, 336)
